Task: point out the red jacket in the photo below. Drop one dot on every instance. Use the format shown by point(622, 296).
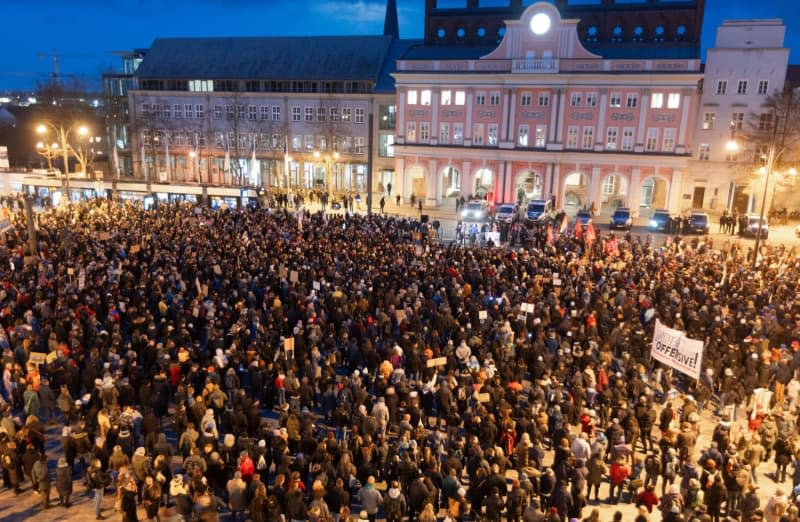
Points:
point(618, 473)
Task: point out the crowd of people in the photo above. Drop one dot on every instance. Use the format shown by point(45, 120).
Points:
point(271, 366)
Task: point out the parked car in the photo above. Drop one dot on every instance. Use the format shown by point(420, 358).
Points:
point(538, 209)
point(753, 226)
point(697, 222)
point(507, 213)
point(583, 217)
point(621, 218)
point(660, 220)
point(475, 210)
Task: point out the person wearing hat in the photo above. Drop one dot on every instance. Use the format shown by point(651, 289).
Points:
point(395, 504)
point(63, 481)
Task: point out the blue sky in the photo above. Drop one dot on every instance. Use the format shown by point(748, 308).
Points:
point(85, 32)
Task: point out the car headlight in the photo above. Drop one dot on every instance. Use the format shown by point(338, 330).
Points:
point(653, 223)
point(463, 213)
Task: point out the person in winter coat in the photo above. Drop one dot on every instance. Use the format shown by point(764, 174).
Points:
point(237, 500)
point(750, 502)
point(370, 499)
point(776, 506)
point(151, 497)
point(494, 506)
point(417, 496)
point(562, 501)
point(40, 476)
point(63, 481)
point(647, 498)
point(395, 504)
point(596, 471)
point(715, 496)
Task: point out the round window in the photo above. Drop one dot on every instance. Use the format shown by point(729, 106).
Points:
point(460, 32)
point(481, 32)
point(441, 32)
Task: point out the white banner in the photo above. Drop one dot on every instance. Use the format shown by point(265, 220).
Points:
point(674, 349)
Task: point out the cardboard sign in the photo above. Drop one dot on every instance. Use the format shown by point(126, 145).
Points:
point(293, 276)
point(527, 308)
point(36, 358)
point(70, 271)
point(400, 315)
point(437, 361)
point(288, 344)
point(556, 282)
point(483, 314)
point(484, 397)
point(316, 286)
point(135, 249)
point(104, 236)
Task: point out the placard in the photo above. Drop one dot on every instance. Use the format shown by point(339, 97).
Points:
point(70, 271)
point(104, 236)
point(315, 285)
point(483, 397)
point(556, 282)
point(293, 276)
point(288, 344)
point(36, 358)
point(483, 314)
point(437, 361)
point(135, 249)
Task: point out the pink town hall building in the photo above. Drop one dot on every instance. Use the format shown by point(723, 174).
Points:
point(541, 116)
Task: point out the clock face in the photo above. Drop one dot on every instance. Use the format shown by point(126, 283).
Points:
point(540, 23)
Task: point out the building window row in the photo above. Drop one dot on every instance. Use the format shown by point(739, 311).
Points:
point(344, 144)
point(741, 87)
point(673, 100)
point(331, 114)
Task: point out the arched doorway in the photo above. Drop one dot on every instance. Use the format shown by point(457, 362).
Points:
point(418, 183)
point(576, 192)
point(484, 182)
point(653, 193)
point(613, 193)
point(528, 186)
point(451, 182)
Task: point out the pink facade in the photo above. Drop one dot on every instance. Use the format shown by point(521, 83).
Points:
point(540, 116)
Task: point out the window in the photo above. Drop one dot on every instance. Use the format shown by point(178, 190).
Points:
point(731, 155)
point(411, 98)
point(541, 135)
point(760, 153)
point(219, 140)
point(334, 112)
point(477, 134)
point(722, 86)
point(388, 117)
point(494, 98)
point(386, 146)
point(631, 101)
point(704, 152)
point(165, 111)
point(458, 133)
point(737, 120)
point(669, 140)
point(572, 137)
point(347, 113)
point(444, 133)
point(673, 100)
point(199, 111)
point(263, 140)
point(321, 113)
point(491, 132)
point(411, 131)
point(276, 113)
point(588, 138)
point(187, 111)
point(627, 139)
point(708, 120)
point(264, 112)
point(322, 143)
point(460, 97)
point(591, 99)
point(424, 132)
point(447, 97)
point(615, 100)
point(609, 184)
point(765, 121)
point(611, 138)
point(359, 114)
point(652, 140)
point(276, 141)
point(309, 140)
point(240, 112)
point(480, 98)
point(296, 142)
point(295, 113)
point(763, 86)
point(544, 99)
point(217, 112)
point(358, 145)
point(425, 97)
point(252, 112)
point(741, 87)
point(575, 99)
point(525, 99)
point(657, 100)
point(523, 135)
point(309, 113)
point(176, 110)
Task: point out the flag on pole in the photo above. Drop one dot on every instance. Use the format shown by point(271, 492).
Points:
point(563, 227)
point(549, 234)
point(591, 236)
point(578, 230)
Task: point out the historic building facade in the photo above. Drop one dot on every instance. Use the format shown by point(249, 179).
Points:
point(545, 115)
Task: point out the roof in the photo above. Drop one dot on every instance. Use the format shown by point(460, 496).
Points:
point(422, 51)
point(266, 58)
point(396, 52)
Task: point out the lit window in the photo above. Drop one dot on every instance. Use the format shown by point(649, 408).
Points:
point(652, 139)
point(708, 120)
point(673, 100)
point(704, 152)
point(588, 137)
point(541, 135)
point(446, 97)
point(492, 134)
point(611, 138)
point(657, 100)
point(669, 140)
point(460, 97)
point(523, 135)
point(425, 97)
point(412, 97)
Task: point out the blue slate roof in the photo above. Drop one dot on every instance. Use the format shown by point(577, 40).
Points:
point(267, 58)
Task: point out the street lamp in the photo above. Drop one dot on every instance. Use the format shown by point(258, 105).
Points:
point(773, 154)
point(63, 135)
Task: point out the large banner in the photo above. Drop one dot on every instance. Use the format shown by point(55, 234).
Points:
point(674, 349)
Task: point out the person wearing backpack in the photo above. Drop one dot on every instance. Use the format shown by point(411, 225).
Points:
point(395, 504)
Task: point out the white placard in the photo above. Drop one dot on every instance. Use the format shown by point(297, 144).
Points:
point(315, 285)
point(483, 314)
point(674, 349)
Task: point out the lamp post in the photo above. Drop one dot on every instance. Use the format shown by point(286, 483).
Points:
point(773, 154)
point(63, 135)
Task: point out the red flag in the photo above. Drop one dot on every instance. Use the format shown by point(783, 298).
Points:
point(549, 234)
point(590, 233)
point(612, 248)
point(578, 230)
